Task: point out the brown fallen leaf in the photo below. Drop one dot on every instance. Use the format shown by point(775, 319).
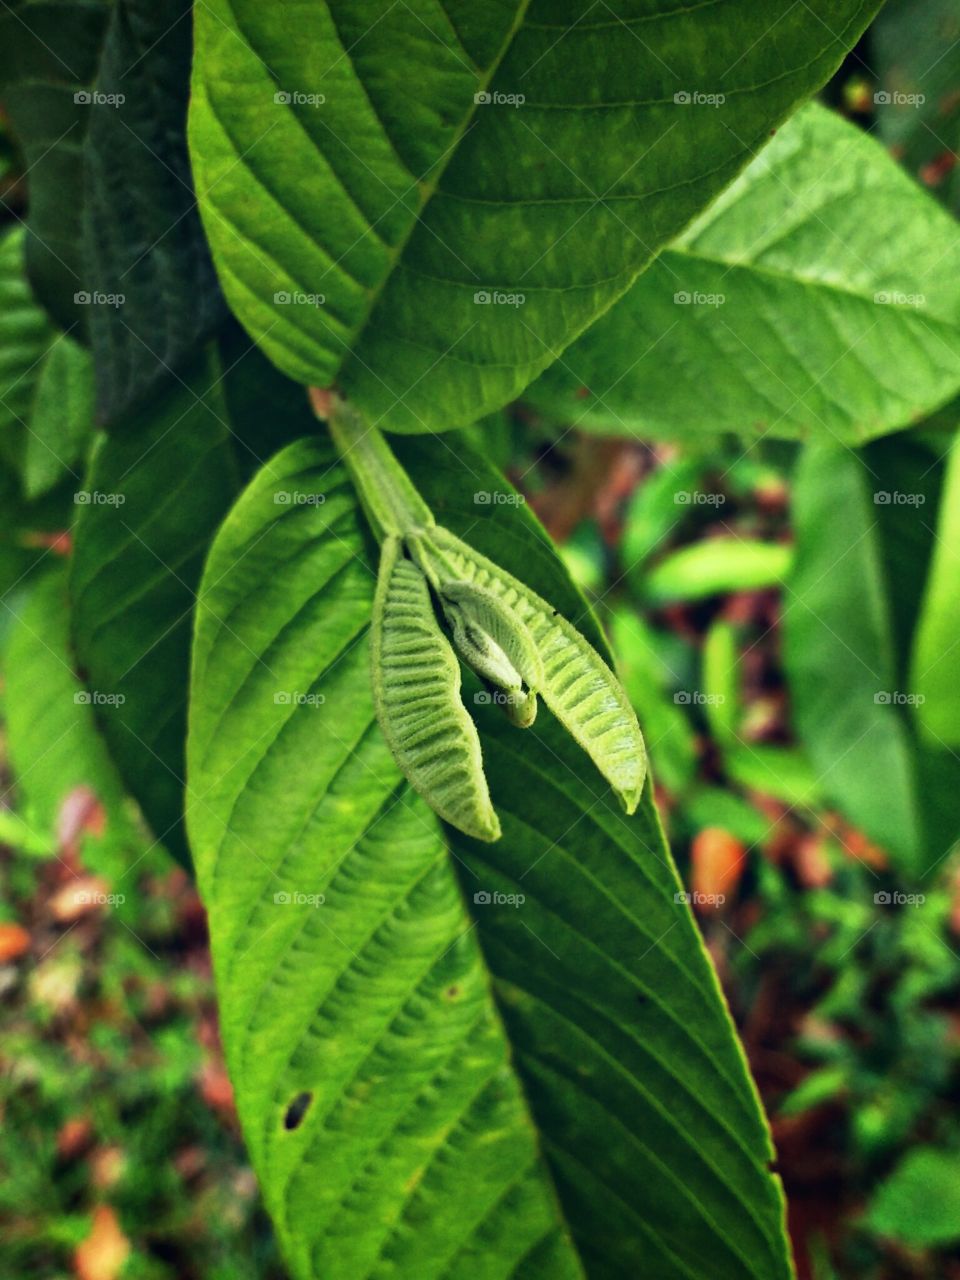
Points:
point(102, 1255)
point(717, 861)
point(74, 1137)
point(14, 941)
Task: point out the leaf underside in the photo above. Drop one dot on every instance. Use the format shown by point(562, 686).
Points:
point(143, 240)
point(537, 1088)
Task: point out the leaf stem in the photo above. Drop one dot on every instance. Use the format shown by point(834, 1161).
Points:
point(391, 502)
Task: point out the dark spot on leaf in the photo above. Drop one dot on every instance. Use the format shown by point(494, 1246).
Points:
point(452, 992)
point(297, 1110)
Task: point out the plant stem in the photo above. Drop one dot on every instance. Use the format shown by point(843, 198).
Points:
point(390, 501)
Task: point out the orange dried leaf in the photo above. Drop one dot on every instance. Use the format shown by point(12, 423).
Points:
point(102, 1255)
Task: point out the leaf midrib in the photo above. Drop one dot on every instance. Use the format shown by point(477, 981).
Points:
point(815, 285)
point(429, 188)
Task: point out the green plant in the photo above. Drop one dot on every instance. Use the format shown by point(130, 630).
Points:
point(467, 1014)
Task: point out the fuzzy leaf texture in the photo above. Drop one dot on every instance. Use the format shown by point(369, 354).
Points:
point(416, 690)
point(576, 684)
point(435, 1079)
point(427, 202)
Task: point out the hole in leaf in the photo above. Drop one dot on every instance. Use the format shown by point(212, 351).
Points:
point(297, 1110)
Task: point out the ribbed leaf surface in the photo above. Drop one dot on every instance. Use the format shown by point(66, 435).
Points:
point(577, 685)
point(416, 690)
point(537, 1088)
point(429, 201)
point(818, 297)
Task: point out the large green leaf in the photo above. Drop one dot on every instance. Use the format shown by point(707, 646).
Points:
point(49, 55)
point(428, 201)
point(819, 296)
point(539, 1081)
point(847, 648)
point(154, 499)
point(143, 237)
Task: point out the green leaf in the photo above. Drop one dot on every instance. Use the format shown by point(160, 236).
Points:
point(425, 1089)
point(919, 1204)
point(155, 498)
point(142, 235)
point(658, 505)
point(364, 221)
point(846, 650)
point(49, 55)
point(721, 683)
point(45, 406)
point(416, 691)
point(60, 427)
point(714, 566)
point(576, 684)
point(670, 740)
point(935, 653)
point(54, 745)
point(818, 297)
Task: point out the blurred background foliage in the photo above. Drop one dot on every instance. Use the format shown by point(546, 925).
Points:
point(785, 617)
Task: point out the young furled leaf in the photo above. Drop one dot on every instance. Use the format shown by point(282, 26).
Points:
point(416, 692)
point(577, 685)
point(496, 645)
